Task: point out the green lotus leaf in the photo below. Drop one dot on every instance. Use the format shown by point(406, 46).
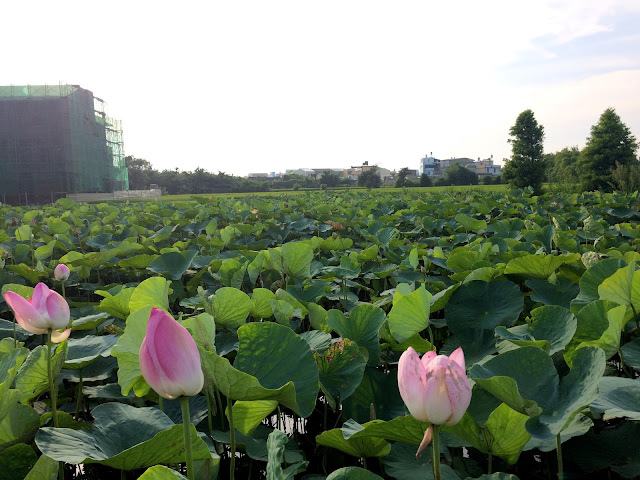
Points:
point(231, 307)
point(127, 351)
point(409, 314)
point(618, 398)
point(247, 415)
point(296, 259)
point(152, 292)
point(17, 461)
point(33, 377)
point(362, 326)
point(591, 280)
point(353, 473)
point(552, 324)
point(357, 447)
point(174, 263)
point(526, 380)
point(341, 368)
point(82, 351)
point(484, 305)
point(122, 437)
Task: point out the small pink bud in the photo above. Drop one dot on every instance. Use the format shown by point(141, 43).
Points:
point(169, 358)
point(46, 310)
point(435, 388)
point(61, 272)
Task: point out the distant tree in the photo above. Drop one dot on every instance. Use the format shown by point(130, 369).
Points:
point(610, 144)
point(139, 171)
point(441, 181)
point(330, 179)
point(486, 180)
point(370, 178)
point(460, 175)
point(401, 179)
point(626, 178)
point(526, 166)
point(562, 166)
point(425, 180)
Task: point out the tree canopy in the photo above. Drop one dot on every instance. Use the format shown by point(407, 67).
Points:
point(610, 144)
point(370, 178)
point(526, 166)
point(458, 174)
point(563, 166)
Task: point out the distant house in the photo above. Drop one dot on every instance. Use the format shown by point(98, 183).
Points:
point(354, 172)
point(303, 172)
point(430, 165)
point(486, 167)
point(258, 175)
point(435, 167)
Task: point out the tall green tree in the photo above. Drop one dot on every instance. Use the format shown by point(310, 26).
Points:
point(401, 180)
point(526, 166)
point(460, 175)
point(330, 179)
point(563, 166)
point(610, 144)
point(370, 178)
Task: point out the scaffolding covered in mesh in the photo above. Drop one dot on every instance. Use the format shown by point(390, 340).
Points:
point(57, 139)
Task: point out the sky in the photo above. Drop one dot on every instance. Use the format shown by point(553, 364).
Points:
point(251, 86)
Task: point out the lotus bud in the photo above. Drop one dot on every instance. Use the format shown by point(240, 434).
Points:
point(435, 388)
point(61, 272)
point(169, 358)
point(46, 310)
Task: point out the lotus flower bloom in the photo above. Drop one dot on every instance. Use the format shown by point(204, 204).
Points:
point(46, 310)
point(169, 358)
point(61, 273)
point(435, 388)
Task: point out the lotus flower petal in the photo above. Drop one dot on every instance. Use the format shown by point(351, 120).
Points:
point(411, 379)
point(435, 388)
point(58, 310)
point(26, 315)
point(61, 272)
point(169, 357)
point(58, 336)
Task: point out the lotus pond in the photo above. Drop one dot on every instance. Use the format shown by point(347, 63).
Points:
point(300, 308)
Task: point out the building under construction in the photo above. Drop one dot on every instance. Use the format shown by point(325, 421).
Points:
point(54, 140)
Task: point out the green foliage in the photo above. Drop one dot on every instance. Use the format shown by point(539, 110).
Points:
point(370, 178)
point(610, 144)
point(563, 166)
point(300, 305)
point(425, 180)
point(458, 174)
point(401, 179)
point(626, 178)
point(526, 166)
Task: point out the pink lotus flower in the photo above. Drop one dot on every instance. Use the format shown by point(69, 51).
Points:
point(46, 310)
point(435, 388)
point(61, 272)
point(169, 358)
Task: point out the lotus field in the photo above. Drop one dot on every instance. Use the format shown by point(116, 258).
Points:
point(325, 335)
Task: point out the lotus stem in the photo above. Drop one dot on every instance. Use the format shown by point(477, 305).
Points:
point(209, 417)
point(186, 428)
point(232, 440)
point(79, 395)
point(559, 454)
point(54, 396)
point(435, 447)
point(490, 468)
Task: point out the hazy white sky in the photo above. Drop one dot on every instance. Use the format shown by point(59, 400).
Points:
point(260, 86)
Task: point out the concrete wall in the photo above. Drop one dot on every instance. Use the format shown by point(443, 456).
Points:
point(118, 195)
